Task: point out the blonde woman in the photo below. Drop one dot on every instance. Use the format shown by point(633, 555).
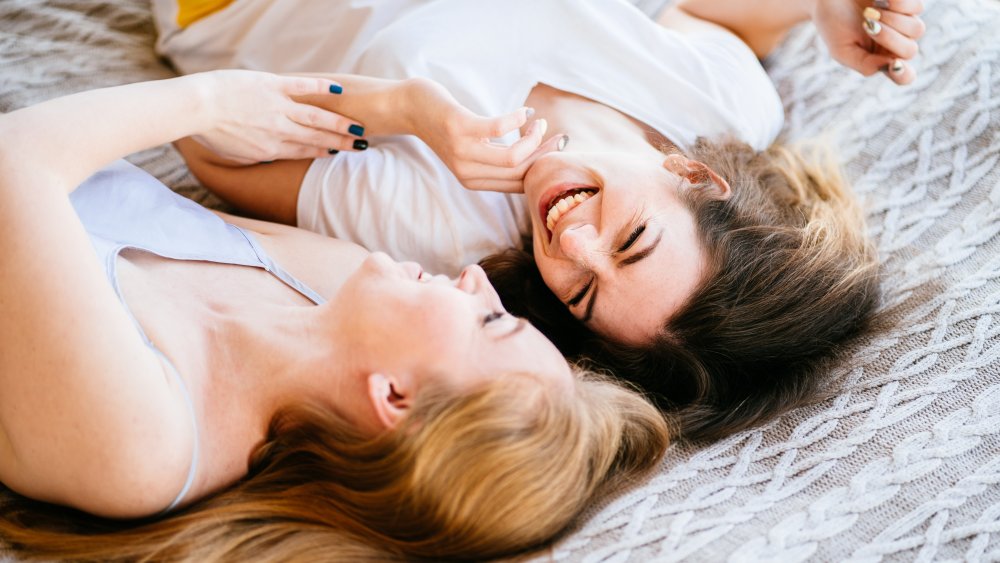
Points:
point(250, 390)
point(671, 240)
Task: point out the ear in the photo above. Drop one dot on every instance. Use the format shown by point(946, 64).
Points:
point(389, 400)
point(699, 174)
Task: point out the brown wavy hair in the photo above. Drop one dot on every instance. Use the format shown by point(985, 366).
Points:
point(498, 472)
point(791, 278)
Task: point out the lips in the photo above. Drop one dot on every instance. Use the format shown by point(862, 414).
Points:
point(554, 195)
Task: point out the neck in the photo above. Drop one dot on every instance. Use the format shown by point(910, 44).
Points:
point(281, 355)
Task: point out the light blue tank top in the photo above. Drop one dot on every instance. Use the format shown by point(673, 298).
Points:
point(122, 207)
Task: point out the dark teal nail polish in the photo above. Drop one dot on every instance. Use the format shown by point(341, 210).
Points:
point(336, 89)
point(360, 144)
point(332, 151)
point(356, 130)
point(266, 161)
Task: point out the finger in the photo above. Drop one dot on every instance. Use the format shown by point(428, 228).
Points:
point(317, 118)
point(307, 85)
point(491, 127)
point(862, 60)
point(907, 7)
point(909, 26)
point(891, 40)
point(509, 157)
point(296, 151)
point(494, 185)
point(900, 72)
point(487, 172)
point(319, 138)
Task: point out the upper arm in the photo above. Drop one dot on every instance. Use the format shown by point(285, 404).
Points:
point(265, 191)
point(730, 82)
point(80, 394)
point(761, 25)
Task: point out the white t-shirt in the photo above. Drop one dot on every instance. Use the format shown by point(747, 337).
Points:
point(397, 196)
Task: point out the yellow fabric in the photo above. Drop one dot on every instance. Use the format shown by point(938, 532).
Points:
point(190, 11)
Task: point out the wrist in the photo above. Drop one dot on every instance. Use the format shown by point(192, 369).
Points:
point(195, 94)
point(405, 101)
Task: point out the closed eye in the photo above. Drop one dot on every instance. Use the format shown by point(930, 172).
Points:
point(575, 300)
point(634, 236)
point(494, 316)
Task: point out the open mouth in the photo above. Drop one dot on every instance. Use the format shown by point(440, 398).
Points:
point(561, 201)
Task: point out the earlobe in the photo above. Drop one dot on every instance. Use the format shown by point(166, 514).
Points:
point(388, 399)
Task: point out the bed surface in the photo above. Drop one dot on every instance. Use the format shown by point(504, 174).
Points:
point(904, 463)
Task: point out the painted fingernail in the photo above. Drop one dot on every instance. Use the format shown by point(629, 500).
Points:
point(356, 130)
point(561, 144)
point(897, 66)
point(332, 151)
point(883, 4)
point(872, 28)
point(529, 112)
point(360, 144)
point(871, 14)
point(266, 161)
point(336, 89)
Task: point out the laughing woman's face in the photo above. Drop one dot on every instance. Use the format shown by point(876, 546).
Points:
point(614, 239)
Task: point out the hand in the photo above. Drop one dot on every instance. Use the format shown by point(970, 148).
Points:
point(254, 118)
point(841, 26)
point(461, 139)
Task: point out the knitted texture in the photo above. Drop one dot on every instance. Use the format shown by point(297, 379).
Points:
point(904, 462)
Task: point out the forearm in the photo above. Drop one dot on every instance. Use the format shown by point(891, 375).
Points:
point(65, 140)
point(382, 105)
point(760, 23)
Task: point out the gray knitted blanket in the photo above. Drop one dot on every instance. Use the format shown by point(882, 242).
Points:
point(904, 462)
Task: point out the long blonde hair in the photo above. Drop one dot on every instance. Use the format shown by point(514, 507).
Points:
point(497, 472)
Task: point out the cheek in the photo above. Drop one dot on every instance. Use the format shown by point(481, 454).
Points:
point(437, 320)
point(555, 273)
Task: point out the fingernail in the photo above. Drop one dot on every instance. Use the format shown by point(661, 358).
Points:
point(883, 4)
point(871, 14)
point(872, 28)
point(336, 89)
point(360, 144)
point(356, 130)
point(897, 66)
point(332, 151)
point(884, 69)
point(266, 161)
point(561, 144)
point(529, 112)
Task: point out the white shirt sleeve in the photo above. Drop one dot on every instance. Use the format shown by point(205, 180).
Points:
point(398, 197)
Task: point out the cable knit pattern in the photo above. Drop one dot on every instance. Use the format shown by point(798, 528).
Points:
point(904, 462)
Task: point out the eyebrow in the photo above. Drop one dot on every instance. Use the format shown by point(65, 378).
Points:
point(521, 323)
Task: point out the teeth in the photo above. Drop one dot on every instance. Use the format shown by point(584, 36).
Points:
point(563, 205)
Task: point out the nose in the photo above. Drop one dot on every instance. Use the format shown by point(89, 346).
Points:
point(473, 280)
point(579, 244)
